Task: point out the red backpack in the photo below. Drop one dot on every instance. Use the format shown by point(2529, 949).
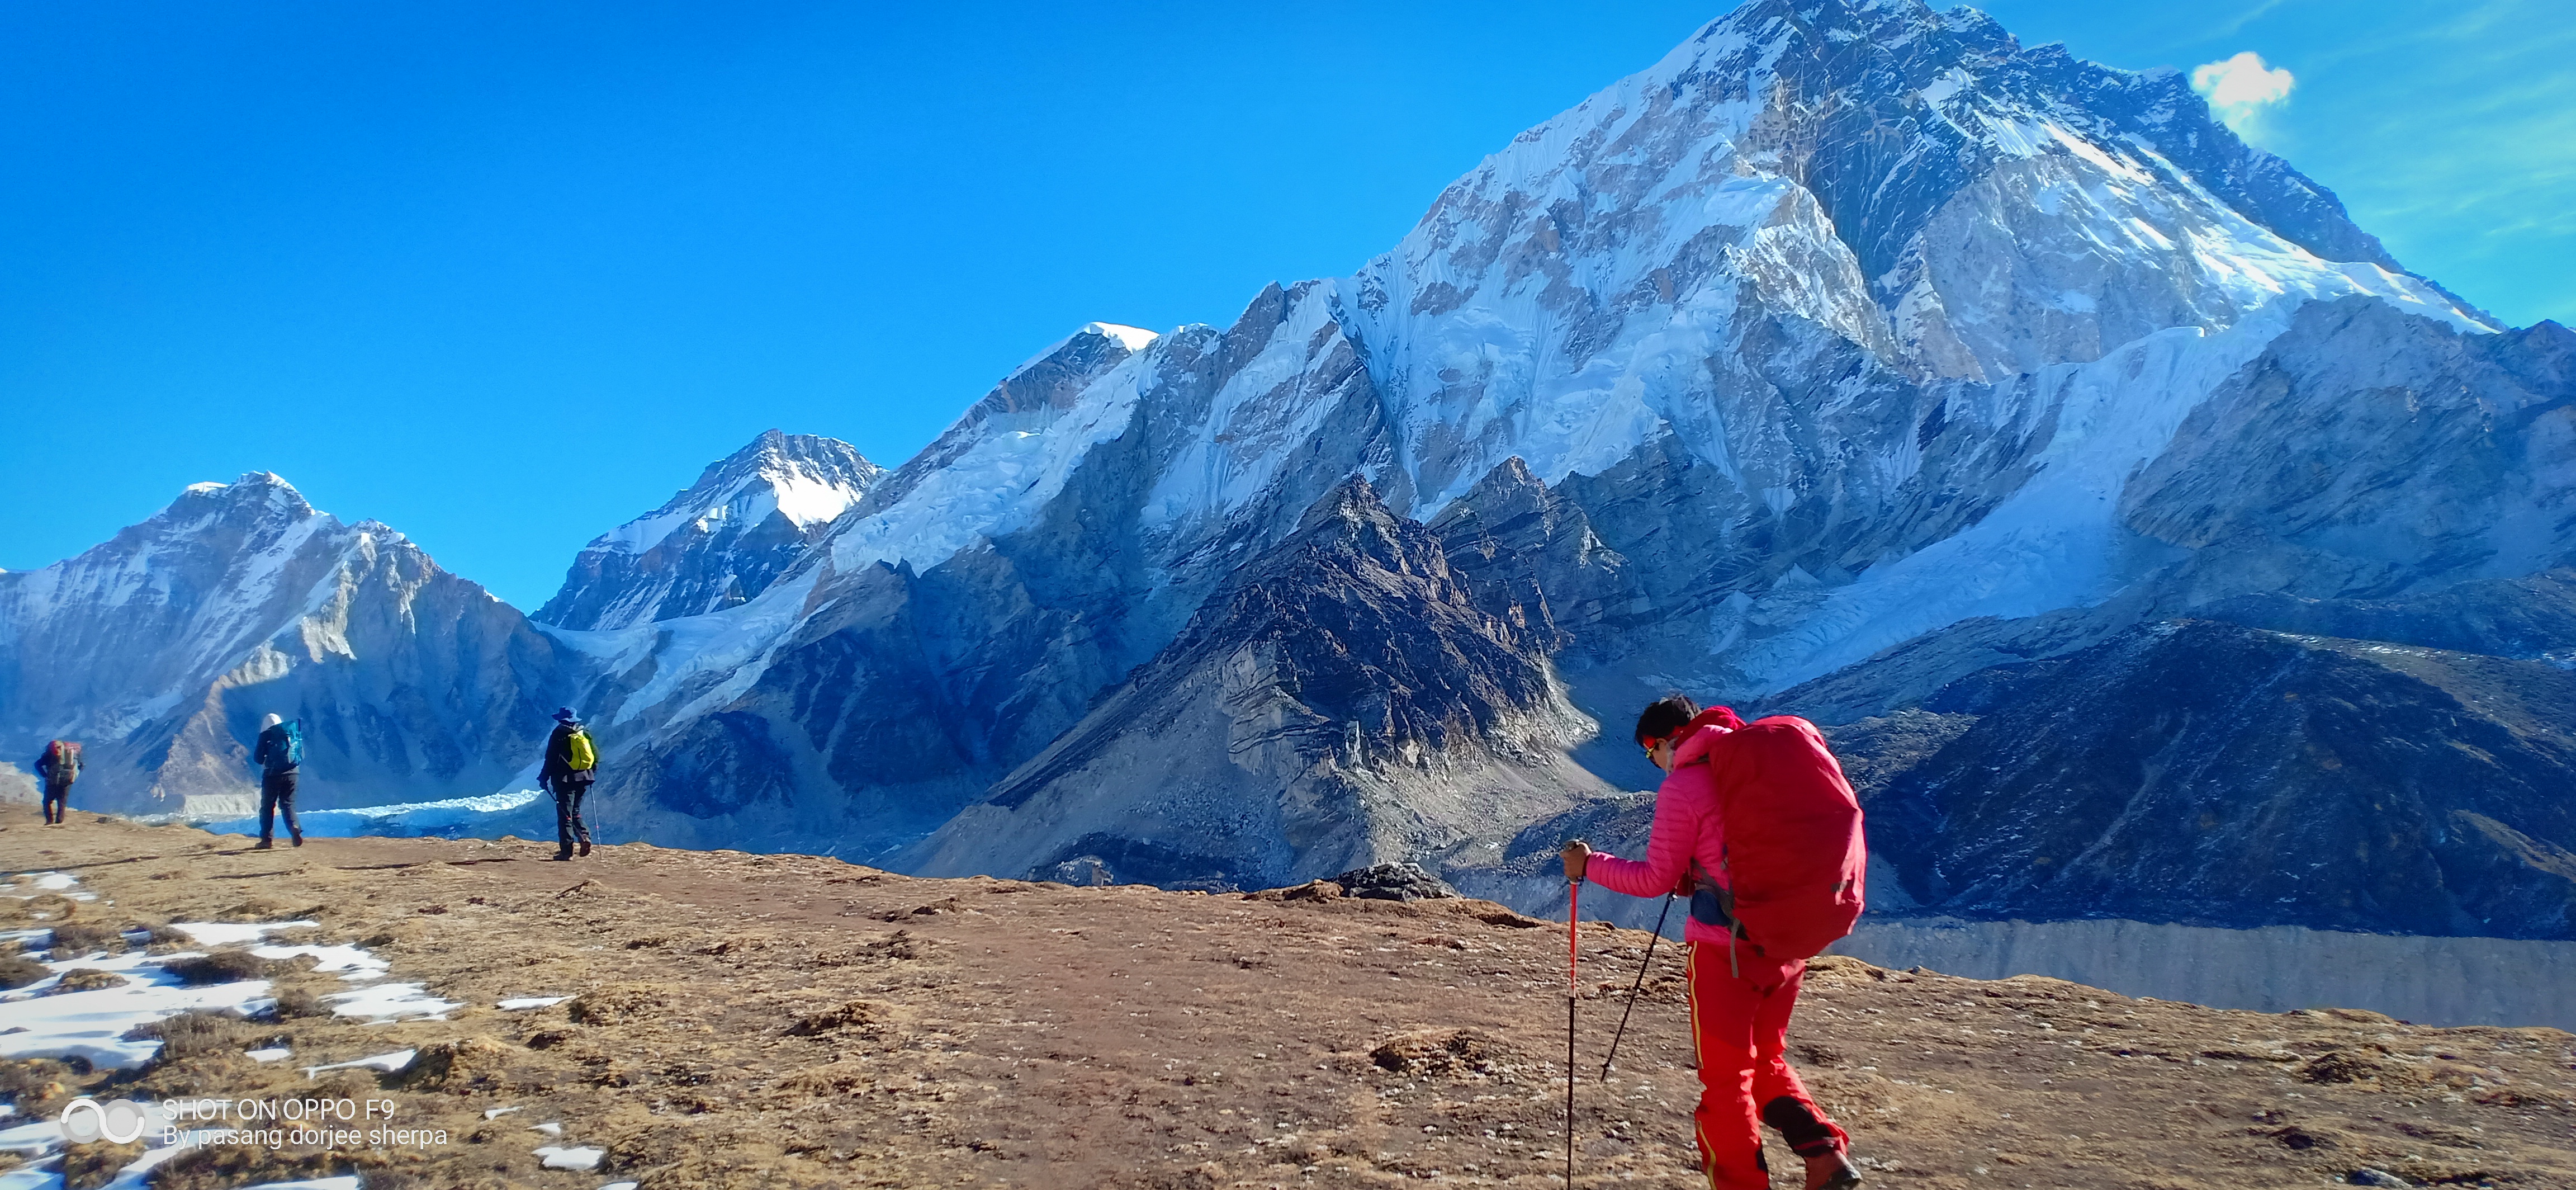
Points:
point(1795, 855)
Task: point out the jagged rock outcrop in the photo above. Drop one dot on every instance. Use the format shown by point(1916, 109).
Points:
point(748, 520)
point(1345, 704)
point(161, 649)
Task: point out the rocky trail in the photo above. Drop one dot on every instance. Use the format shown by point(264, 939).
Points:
point(779, 1021)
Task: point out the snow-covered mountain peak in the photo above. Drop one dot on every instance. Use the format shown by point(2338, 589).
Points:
point(719, 542)
point(1133, 338)
point(256, 492)
point(1915, 184)
point(810, 479)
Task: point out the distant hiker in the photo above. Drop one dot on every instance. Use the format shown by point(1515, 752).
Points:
point(56, 768)
point(280, 755)
point(571, 763)
point(1757, 825)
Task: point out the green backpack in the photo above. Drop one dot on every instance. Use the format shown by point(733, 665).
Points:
point(579, 756)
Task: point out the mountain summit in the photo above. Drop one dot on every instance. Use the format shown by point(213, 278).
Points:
point(718, 543)
point(164, 646)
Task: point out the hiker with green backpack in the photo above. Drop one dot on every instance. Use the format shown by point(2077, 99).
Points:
point(571, 763)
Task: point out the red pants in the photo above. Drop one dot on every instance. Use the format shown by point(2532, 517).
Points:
point(1739, 1025)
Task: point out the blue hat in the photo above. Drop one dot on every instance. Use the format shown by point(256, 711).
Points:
point(565, 715)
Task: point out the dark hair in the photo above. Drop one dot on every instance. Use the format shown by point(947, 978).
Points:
point(1664, 716)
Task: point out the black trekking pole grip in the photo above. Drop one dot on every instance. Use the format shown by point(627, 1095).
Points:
point(1634, 988)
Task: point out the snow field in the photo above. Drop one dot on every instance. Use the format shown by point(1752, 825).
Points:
point(92, 1025)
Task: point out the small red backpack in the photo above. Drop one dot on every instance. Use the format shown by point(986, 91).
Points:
point(1795, 854)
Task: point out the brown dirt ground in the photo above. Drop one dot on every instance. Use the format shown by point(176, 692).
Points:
point(786, 1021)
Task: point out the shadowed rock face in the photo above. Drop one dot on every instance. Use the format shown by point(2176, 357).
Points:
point(1346, 703)
point(2370, 454)
point(2210, 774)
point(747, 521)
point(162, 648)
point(2528, 618)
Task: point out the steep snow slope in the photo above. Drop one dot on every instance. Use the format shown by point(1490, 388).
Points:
point(718, 543)
point(161, 649)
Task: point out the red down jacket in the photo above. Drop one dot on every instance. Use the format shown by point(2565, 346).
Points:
point(1765, 813)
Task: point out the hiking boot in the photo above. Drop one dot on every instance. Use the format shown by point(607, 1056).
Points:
point(262, 845)
point(585, 848)
point(299, 840)
point(565, 855)
point(1831, 1171)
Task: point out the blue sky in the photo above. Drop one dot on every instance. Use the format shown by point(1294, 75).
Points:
point(504, 275)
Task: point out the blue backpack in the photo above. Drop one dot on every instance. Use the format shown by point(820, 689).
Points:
point(291, 754)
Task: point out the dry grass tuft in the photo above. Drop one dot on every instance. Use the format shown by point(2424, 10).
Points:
point(1434, 1052)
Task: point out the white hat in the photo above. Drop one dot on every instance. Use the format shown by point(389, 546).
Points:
point(269, 721)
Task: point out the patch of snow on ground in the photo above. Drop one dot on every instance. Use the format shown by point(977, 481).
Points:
point(519, 1003)
point(581, 1157)
point(388, 1063)
point(93, 1025)
point(35, 884)
point(390, 1002)
point(226, 933)
point(355, 964)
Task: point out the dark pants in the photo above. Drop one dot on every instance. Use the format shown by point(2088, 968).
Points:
point(568, 824)
point(277, 794)
point(58, 800)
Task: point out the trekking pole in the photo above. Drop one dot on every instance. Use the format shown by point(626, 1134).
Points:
point(1573, 992)
point(1633, 989)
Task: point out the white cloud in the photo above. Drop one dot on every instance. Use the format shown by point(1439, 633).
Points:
point(2241, 89)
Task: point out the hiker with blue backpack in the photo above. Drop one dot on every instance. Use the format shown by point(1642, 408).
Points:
point(571, 763)
point(279, 755)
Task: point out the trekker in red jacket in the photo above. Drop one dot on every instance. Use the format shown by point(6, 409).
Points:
point(1740, 998)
